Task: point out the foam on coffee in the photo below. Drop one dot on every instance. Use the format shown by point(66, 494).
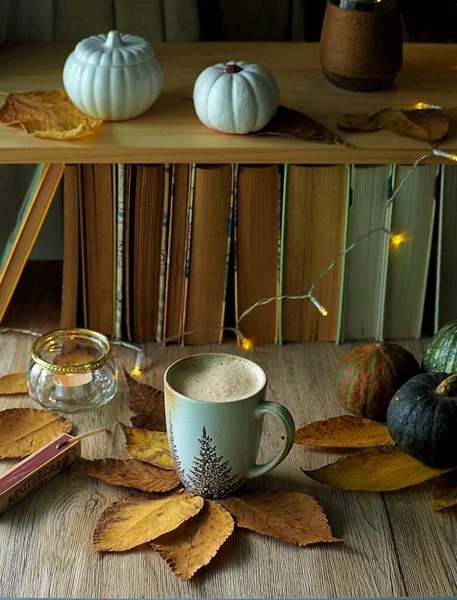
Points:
point(216, 378)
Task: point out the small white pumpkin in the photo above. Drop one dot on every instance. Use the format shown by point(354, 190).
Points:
point(235, 97)
point(113, 77)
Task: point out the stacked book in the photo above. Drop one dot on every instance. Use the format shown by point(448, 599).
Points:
point(153, 252)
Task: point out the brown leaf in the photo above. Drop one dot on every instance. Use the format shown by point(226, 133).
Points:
point(293, 123)
point(147, 403)
point(48, 114)
point(344, 432)
point(25, 430)
point(148, 446)
point(195, 543)
point(381, 469)
point(426, 124)
point(15, 383)
point(288, 516)
point(444, 491)
point(131, 473)
point(360, 122)
point(132, 521)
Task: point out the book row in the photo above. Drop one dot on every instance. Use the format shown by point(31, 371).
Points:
point(177, 253)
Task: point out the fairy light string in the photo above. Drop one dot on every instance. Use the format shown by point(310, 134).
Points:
point(247, 344)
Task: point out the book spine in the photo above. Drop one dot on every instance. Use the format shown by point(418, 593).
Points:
point(340, 327)
point(119, 280)
point(187, 266)
point(385, 256)
point(163, 254)
point(171, 208)
point(227, 260)
point(235, 249)
point(439, 254)
point(281, 252)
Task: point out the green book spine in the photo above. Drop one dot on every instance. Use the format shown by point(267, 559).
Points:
point(339, 332)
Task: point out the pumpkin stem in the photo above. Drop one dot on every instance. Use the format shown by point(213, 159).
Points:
point(233, 69)
point(448, 387)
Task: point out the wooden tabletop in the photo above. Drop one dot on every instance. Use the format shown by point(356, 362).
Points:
point(394, 545)
point(171, 132)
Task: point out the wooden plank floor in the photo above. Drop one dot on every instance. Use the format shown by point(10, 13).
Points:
point(393, 544)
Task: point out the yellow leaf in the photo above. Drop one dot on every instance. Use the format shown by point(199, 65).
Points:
point(426, 124)
point(379, 469)
point(48, 114)
point(344, 432)
point(15, 383)
point(293, 123)
point(148, 405)
point(148, 446)
point(196, 543)
point(133, 521)
point(25, 430)
point(288, 516)
point(444, 491)
point(131, 473)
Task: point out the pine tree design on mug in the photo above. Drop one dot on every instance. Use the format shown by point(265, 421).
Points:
point(209, 476)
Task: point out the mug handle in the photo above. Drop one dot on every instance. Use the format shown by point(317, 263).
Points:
point(285, 418)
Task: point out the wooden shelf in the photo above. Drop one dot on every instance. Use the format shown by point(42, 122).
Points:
point(171, 132)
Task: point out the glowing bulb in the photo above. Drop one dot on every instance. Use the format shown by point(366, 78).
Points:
point(421, 105)
point(318, 305)
point(247, 344)
point(398, 239)
point(136, 371)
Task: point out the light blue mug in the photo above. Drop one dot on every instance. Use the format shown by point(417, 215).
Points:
point(214, 407)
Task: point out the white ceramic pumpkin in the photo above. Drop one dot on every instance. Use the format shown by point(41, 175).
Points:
point(236, 97)
point(113, 77)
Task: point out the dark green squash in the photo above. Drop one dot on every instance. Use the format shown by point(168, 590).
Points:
point(422, 419)
point(368, 376)
point(440, 355)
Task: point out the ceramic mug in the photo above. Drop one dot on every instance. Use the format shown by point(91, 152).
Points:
point(214, 406)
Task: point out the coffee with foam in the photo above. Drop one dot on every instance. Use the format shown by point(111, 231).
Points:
point(217, 378)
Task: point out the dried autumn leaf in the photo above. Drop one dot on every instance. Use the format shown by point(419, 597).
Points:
point(444, 491)
point(148, 405)
point(360, 122)
point(288, 516)
point(48, 114)
point(344, 432)
point(426, 124)
point(131, 473)
point(25, 430)
point(148, 446)
point(15, 383)
point(195, 543)
point(293, 123)
point(133, 521)
point(381, 469)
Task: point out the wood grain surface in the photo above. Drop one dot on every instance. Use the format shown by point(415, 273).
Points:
point(394, 545)
point(171, 132)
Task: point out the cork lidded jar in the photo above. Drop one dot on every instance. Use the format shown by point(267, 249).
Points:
point(361, 44)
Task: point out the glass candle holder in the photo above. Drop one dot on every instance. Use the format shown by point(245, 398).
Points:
point(71, 370)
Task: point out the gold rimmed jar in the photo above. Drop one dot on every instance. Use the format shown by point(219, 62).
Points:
point(72, 370)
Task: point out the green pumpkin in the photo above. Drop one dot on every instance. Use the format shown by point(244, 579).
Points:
point(440, 356)
point(422, 419)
